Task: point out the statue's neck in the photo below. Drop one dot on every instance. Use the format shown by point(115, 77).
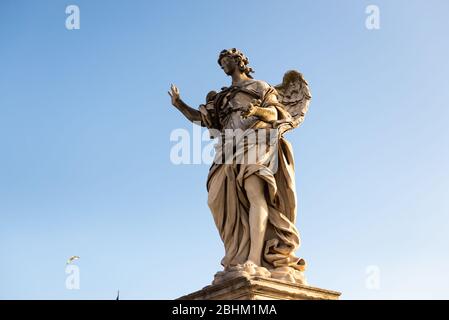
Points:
point(238, 77)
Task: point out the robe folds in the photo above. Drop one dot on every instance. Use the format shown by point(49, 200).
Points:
point(248, 147)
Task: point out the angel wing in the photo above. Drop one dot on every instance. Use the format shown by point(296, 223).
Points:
point(294, 95)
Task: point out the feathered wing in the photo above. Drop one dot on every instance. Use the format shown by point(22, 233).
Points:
point(294, 95)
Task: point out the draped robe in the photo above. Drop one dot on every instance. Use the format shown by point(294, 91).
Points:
point(227, 198)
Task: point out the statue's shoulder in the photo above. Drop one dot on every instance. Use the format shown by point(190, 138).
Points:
point(248, 84)
point(262, 83)
point(261, 87)
point(256, 88)
point(259, 84)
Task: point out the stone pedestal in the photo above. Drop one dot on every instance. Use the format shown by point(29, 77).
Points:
point(258, 288)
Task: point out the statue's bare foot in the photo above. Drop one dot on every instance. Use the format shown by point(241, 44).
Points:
point(250, 264)
point(250, 267)
point(255, 270)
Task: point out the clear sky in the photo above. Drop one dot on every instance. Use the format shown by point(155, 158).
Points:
point(85, 123)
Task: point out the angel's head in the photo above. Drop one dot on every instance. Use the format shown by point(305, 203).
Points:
point(231, 59)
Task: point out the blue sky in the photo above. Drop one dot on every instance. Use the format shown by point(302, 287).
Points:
point(85, 123)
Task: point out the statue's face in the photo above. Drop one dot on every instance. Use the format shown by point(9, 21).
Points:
point(228, 65)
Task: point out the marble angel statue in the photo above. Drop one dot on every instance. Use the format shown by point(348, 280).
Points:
point(253, 199)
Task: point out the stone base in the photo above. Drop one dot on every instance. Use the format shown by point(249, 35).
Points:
point(259, 288)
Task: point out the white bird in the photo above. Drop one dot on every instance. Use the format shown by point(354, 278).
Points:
point(72, 258)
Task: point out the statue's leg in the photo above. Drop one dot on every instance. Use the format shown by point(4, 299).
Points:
point(258, 217)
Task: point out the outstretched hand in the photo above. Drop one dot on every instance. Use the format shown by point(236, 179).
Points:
point(251, 109)
point(174, 94)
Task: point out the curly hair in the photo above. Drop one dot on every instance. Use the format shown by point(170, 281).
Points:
point(239, 57)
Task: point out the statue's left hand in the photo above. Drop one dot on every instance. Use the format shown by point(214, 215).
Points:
point(251, 109)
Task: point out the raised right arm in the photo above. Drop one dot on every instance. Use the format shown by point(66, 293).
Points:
point(191, 114)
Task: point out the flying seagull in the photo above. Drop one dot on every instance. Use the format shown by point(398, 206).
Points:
point(72, 258)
